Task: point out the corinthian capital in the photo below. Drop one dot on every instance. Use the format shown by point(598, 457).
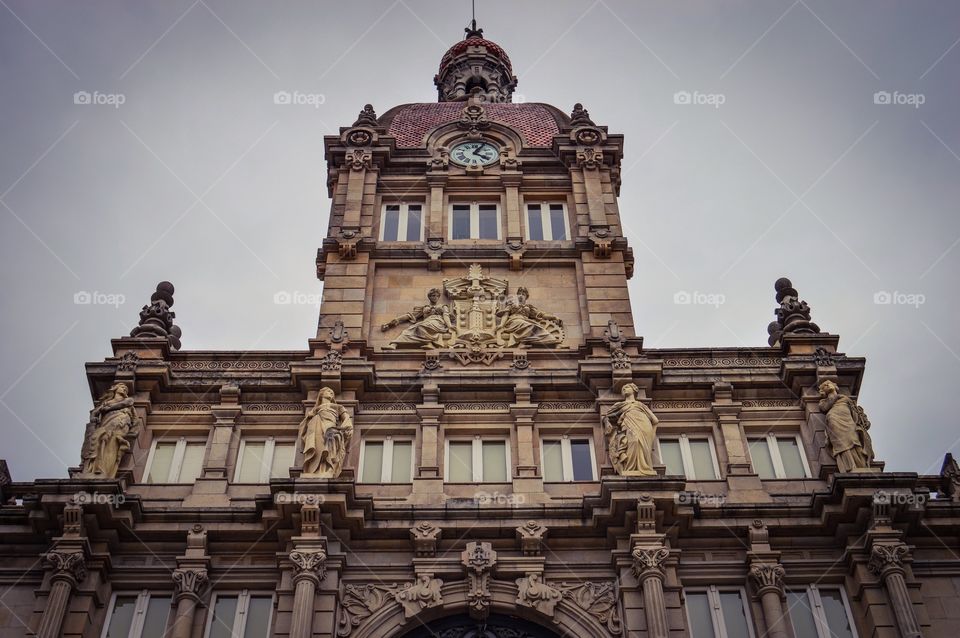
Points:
point(648, 562)
point(767, 577)
point(309, 564)
point(69, 566)
point(885, 559)
point(189, 582)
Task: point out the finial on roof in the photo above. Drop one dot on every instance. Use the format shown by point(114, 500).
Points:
point(472, 31)
point(793, 315)
point(367, 117)
point(580, 116)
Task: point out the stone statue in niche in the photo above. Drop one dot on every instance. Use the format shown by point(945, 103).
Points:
point(431, 326)
point(847, 429)
point(113, 423)
point(630, 426)
point(522, 324)
point(533, 592)
point(325, 434)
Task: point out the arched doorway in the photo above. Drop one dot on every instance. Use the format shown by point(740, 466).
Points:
point(496, 626)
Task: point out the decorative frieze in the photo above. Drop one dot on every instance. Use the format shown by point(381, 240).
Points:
point(182, 407)
point(236, 364)
point(477, 406)
point(722, 362)
point(359, 602)
point(599, 599)
point(567, 406)
point(396, 406)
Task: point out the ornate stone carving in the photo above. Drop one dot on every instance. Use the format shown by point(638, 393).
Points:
point(189, 582)
point(332, 361)
point(475, 352)
point(534, 592)
point(475, 304)
point(425, 537)
point(531, 535)
point(338, 333)
point(520, 361)
point(156, 318)
point(589, 158)
point(419, 595)
point(431, 326)
point(567, 406)
point(600, 600)
point(679, 405)
point(523, 325)
point(475, 68)
point(478, 406)
point(387, 407)
point(793, 315)
point(358, 159)
point(113, 425)
point(887, 558)
point(767, 577)
point(823, 357)
point(69, 566)
point(360, 137)
point(325, 434)
point(434, 250)
point(629, 426)
point(439, 159)
point(649, 562)
point(359, 602)
point(128, 362)
point(602, 240)
point(580, 116)
point(723, 362)
point(619, 359)
point(310, 564)
point(431, 362)
point(234, 365)
point(367, 117)
point(272, 407)
point(770, 403)
point(473, 119)
point(847, 429)
point(478, 560)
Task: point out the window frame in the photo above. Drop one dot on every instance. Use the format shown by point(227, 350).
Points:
point(716, 613)
point(402, 221)
point(243, 606)
point(545, 224)
point(477, 459)
point(775, 459)
point(176, 463)
point(387, 470)
point(475, 220)
point(816, 608)
point(139, 611)
point(566, 457)
point(686, 456)
point(269, 447)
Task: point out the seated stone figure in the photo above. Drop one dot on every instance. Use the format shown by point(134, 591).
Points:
point(523, 325)
point(431, 325)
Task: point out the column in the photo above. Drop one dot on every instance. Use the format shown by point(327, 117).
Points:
point(886, 561)
point(649, 570)
point(768, 581)
point(69, 569)
point(309, 569)
point(188, 585)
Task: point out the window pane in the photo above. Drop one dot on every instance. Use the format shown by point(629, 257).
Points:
point(534, 222)
point(494, 462)
point(252, 462)
point(283, 456)
point(160, 466)
point(460, 468)
point(122, 616)
point(372, 462)
point(702, 459)
point(488, 221)
point(258, 616)
point(801, 617)
point(223, 612)
point(461, 222)
point(734, 616)
point(760, 455)
point(155, 622)
point(582, 463)
point(402, 451)
point(391, 222)
point(552, 461)
point(790, 455)
point(670, 456)
point(836, 613)
point(413, 222)
point(557, 225)
point(192, 462)
point(698, 611)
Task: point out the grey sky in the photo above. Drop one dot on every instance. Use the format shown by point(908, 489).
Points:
point(200, 178)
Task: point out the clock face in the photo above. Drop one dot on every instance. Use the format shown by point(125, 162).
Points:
point(474, 153)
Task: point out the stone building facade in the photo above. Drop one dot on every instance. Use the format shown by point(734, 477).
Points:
point(477, 443)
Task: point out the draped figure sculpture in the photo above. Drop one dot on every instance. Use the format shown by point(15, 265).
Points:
point(325, 434)
point(629, 427)
point(114, 422)
point(430, 328)
point(523, 325)
point(847, 425)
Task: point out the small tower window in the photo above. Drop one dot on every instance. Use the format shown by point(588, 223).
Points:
point(401, 222)
point(547, 221)
point(474, 221)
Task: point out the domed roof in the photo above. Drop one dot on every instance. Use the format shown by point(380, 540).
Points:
point(473, 41)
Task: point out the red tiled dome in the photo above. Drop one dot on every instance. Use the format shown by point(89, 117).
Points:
point(411, 123)
point(473, 41)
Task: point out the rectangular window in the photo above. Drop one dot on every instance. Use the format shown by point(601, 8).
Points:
point(568, 459)
point(477, 461)
point(778, 456)
point(401, 222)
point(690, 456)
point(386, 461)
point(243, 615)
point(178, 461)
point(718, 613)
point(820, 612)
point(260, 461)
point(474, 221)
point(547, 221)
point(142, 615)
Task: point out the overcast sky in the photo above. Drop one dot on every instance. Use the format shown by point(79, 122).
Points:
point(784, 160)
